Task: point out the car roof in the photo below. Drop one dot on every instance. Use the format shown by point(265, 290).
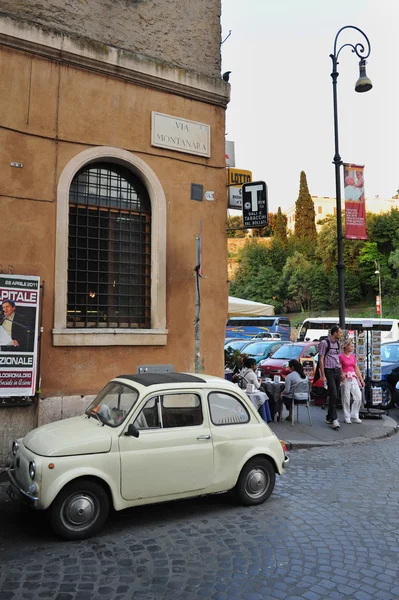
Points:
point(150, 379)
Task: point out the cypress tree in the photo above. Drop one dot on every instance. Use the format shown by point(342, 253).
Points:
point(305, 226)
point(280, 228)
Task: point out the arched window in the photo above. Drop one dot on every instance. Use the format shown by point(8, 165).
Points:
point(109, 249)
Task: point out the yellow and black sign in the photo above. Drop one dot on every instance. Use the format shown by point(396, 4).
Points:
point(239, 176)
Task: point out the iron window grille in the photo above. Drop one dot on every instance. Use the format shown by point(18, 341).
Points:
point(109, 252)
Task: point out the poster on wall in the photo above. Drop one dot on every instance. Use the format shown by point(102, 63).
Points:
point(19, 320)
point(355, 205)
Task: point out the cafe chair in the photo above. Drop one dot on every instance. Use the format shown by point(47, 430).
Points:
point(300, 397)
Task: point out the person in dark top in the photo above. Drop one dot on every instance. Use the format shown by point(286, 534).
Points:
point(330, 371)
point(15, 325)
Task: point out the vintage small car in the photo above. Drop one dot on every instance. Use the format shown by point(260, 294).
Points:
point(146, 438)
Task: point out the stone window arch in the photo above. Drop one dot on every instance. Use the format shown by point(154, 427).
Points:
point(110, 252)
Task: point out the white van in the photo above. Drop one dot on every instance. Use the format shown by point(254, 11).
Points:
point(316, 327)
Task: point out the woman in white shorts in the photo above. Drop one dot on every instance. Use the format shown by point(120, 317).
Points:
point(352, 380)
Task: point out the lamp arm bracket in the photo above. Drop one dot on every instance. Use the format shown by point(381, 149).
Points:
point(359, 49)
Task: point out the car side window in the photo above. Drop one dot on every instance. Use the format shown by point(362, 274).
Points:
point(181, 410)
point(226, 409)
point(310, 351)
point(148, 417)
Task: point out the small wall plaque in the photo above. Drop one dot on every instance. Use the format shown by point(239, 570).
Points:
point(197, 191)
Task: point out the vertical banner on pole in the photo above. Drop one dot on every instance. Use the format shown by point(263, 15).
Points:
point(355, 205)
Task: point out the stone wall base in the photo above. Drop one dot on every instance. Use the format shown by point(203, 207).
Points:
point(17, 421)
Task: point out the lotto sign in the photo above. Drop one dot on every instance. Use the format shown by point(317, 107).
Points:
point(254, 204)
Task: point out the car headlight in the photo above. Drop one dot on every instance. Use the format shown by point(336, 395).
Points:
point(284, 365)
point(32, 469)
point(15, 447)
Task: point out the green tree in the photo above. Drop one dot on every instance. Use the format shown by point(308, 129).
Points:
point(235, 221)
point(280, 228)
point(305, 227)
point(297, 275)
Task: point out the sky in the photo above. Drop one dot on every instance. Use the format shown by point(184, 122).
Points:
point(280, 115)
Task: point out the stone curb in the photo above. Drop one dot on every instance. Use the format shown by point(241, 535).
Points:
point(381, 432)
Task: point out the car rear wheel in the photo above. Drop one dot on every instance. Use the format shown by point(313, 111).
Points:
point(256, 481)
point(79, 510)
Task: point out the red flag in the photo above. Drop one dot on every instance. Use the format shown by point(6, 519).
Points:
point(355, 205)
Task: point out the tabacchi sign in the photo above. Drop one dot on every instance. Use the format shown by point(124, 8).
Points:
point(19, 297)
point(181, 135)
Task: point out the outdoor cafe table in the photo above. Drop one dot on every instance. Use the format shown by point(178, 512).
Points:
point(273, 391)
point(261, 403)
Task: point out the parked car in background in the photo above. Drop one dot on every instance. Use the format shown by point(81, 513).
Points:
point(396, 398)
point(278, 363)
point(267, 336)
point(261, 350)
point(389, 371)
point(235, 344)
point(145, 439)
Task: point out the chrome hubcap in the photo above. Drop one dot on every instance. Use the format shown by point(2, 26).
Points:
point(79, 510)
point(256, 483)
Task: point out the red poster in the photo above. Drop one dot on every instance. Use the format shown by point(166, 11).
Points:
point(355, 205)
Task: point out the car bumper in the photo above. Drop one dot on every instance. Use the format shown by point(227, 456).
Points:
point(14, 491)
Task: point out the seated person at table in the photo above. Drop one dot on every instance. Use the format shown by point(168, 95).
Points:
point(248, 374)
point(295, 375)
point(236, 373)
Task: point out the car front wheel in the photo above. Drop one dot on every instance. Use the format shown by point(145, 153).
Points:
point(79, 510)
point(387, 397)
point(256, 481)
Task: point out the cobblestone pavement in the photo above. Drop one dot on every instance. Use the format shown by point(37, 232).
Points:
point(330, 530)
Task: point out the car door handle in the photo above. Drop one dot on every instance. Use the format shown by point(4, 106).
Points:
point(204, 437)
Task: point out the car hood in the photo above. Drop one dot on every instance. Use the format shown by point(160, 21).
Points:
point(78, 435)
point(274, 362)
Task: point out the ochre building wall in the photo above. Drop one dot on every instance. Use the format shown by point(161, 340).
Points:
point(181, 33)
point(50, 112)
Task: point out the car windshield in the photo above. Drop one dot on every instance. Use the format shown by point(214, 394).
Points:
point(113, 404)
point(236, 345)
point(288, 352)
point(256, 349)
point(390, 353)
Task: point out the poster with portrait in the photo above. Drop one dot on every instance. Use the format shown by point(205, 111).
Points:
point(309, 366)
point(355, 204)
point(19, 321)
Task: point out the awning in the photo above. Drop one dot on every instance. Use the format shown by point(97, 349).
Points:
point(246, 308)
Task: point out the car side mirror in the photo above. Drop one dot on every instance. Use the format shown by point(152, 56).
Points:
point(133, 431)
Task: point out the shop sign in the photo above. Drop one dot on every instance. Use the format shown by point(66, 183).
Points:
point(19, 318)
point(239, 176)
point(235, 197)
point(182, 135)
point(230, 154)
point(254, 204)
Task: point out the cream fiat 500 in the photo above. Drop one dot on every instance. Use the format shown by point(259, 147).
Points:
point(145, 439)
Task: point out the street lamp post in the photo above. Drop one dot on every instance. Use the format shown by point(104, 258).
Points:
point(363, 84)
point(378, 272)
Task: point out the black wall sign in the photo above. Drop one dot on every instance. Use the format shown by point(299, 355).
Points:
point(254, 204)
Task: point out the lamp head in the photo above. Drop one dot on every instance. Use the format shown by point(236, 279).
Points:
point(363, 84)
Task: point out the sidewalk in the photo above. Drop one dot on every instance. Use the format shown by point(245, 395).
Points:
point(303, 435)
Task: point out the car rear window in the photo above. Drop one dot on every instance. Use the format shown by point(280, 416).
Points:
point(288, 352)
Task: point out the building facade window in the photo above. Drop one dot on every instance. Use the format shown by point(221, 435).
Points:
point(110, 258)
point(109, 249)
